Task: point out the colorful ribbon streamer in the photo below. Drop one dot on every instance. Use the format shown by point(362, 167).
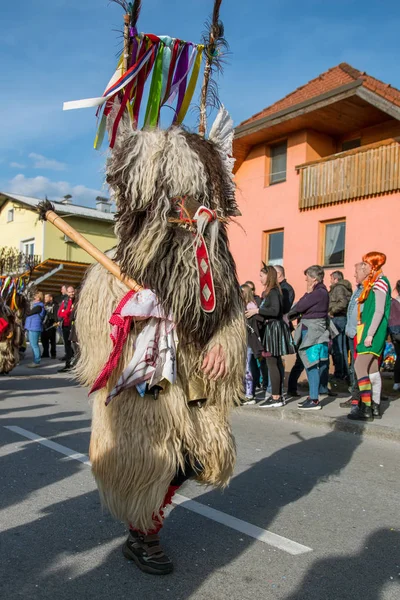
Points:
point(191, 87)
point(172, 64)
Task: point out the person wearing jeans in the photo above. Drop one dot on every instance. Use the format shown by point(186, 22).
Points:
point(34, 327)
point(312, 334)
point(315, 375)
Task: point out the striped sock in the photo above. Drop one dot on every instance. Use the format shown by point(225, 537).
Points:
point(365, 388)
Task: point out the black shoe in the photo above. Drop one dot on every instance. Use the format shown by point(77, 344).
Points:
point(63, 359)
point(330, 394)
point(293, 394)
point(376, 411)
point(147, 554)
point(361, 412)
point(65, 369)
point(53, 357)
point(45, 356)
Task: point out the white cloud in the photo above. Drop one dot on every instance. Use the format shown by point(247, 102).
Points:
point(39, 187)
point(41, 162)
point(16, 165)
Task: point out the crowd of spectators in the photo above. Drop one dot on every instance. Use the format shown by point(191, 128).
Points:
point(347, 326)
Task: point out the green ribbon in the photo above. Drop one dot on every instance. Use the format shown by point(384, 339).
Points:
point(154, 101)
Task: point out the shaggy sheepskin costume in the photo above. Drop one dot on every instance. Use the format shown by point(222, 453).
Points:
point(139, 444)
point(10, 338)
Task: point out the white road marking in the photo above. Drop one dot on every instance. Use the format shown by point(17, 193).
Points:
point(49, 444)
point(262, 535)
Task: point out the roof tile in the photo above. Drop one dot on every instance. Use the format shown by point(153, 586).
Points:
point(330, 80)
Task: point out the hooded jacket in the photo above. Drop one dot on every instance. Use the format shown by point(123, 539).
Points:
point(339, 298)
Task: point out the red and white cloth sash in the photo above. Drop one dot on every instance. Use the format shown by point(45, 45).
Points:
point(154, 358)
point(202, 218)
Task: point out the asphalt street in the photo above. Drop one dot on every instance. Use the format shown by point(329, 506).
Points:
point(329, 499)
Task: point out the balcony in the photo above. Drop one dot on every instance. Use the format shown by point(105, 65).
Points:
point(353, 175)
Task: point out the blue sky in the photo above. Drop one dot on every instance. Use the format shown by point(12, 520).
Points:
point(57, 50)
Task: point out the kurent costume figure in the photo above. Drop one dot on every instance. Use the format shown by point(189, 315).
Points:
point(13, 308)
point(173, 368)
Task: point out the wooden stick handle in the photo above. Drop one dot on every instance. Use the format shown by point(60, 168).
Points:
point(126, 42)
point(94, 252)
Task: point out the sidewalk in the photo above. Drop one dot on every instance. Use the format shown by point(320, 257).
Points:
point(333, 417)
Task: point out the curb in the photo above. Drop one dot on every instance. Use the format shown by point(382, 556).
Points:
point(342, 423)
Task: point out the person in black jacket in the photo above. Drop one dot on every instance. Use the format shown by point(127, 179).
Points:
point(288, 293)
point(48, 336)
point(277, 339)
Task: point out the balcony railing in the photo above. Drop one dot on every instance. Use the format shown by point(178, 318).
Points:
point(356, 174)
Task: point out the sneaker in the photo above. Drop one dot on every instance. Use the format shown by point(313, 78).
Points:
point(271, 403)
point(249, 400)
point(33, 365)
point(293, 394)
point(396, 387)
point(278, 403)
point(311, 405)
point(302, 402)
point(347, 403)
point(147, 554)
point(266, 403)
point(65, 369)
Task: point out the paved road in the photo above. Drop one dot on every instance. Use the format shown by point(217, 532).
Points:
point(334, 493)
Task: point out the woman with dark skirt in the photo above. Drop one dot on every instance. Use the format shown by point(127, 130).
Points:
point(277, 340)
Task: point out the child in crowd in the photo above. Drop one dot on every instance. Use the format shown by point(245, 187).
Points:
point(254, 346)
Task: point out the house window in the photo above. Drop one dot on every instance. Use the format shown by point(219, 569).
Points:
point(351, 144)
point(10, 215)
point(278, 156)
point(28, 247)
point(334, 243)
point(274, 247)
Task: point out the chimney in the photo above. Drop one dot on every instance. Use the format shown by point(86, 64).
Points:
point(103, 204)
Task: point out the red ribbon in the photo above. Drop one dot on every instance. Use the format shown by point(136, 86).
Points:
point(121, 328)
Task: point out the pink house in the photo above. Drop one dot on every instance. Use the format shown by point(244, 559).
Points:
point(318, 178)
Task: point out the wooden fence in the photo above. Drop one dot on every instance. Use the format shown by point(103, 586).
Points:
point(359, 174)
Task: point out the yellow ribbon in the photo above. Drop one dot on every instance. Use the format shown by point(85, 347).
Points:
point(191, 87)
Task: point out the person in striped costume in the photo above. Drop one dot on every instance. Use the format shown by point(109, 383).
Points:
point(373, 317)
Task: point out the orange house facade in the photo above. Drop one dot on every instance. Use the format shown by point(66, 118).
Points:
point(318, 179)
